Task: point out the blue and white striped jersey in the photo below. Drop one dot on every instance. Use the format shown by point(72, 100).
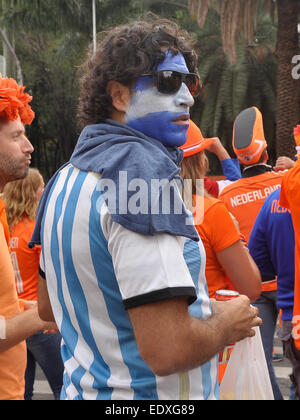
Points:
point(95, 270)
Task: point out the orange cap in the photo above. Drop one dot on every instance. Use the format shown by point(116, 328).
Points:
point(249, 141)
point(195, 141)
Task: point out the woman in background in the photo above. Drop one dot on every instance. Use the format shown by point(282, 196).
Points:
point(22, 199)
point(229, 265)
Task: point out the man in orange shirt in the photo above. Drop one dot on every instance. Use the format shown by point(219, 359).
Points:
point(15, 326)
point(290, 198)
point(244, 199)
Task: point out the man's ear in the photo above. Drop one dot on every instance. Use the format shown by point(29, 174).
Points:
point(266, 156)
point(120, 95)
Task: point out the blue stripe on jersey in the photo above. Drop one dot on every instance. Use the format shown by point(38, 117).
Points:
point(192, 258)
point(67, 329)
point(77, 294)
point(43, 221)
point(66, 326)
point(143, 379)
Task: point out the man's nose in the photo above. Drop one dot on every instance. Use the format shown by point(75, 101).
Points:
point(184, 97)
point(28, 148)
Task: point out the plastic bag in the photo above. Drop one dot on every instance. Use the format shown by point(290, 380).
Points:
point(247, 376)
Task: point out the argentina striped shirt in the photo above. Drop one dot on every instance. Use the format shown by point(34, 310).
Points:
point(95, 270)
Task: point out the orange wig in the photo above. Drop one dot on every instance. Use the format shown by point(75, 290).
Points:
point(14, 102)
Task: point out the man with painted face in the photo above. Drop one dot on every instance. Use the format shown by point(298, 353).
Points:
point(161, 115)
point(124, 278)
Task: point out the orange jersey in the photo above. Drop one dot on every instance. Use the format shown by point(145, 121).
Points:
point(244, 199)
point(217, 232)
point(290, 198)
point(12, 361)
point(3, 221)
point(25, 261)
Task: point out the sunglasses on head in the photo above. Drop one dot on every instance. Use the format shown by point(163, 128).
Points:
point(170, 81)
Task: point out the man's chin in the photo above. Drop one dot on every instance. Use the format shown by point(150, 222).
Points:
point(18, 175)
point(178, 138)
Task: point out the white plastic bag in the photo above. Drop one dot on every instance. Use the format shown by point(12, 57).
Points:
point(247, 376)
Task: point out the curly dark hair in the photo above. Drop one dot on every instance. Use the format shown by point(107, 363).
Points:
point(125, 53)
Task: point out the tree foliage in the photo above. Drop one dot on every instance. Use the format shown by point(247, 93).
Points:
point(51, 38)
point(239, 20)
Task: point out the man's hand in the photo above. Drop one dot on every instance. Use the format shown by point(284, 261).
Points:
point(283, 163)
point(238, 318)
point(29, 304)
point(22, 326)
point(218, 149)
point(48, 327)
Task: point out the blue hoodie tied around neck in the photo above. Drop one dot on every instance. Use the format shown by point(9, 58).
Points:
point(111, 149)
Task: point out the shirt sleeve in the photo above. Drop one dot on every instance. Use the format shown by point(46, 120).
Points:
point(148, 268)
point(290, 188)
point(283, 198)
point(42, 267)
point(231, 169)
point(212, 187)
point(258, 245)
point(220, 227)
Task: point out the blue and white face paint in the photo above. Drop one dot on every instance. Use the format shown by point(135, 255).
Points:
point(164, 117)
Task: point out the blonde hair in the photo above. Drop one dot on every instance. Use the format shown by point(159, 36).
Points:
point(21, 199)
point(194, 167)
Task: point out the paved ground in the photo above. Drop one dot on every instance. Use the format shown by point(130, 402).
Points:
point(282, 369)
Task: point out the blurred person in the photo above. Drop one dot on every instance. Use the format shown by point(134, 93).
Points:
point(289, 198)
point(22, 198)
point(136, 324)
point(272, 245)
point(244, 199)
point(15, 326)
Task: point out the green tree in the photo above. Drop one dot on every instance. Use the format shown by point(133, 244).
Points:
point(239, 19)
point(51, 38)
point(229, 87)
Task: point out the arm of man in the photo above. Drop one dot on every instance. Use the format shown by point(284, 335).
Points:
point(157, 288)
point(44, 305)
point(283, 163)
point(172, 341)
point(22, 326)
point(231, 167)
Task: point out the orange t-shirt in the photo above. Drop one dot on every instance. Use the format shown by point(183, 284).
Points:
point(13, 361)
point(290, 198)
point(217, 232)
point(3, 221)
point(244, 199)
point(25, 261)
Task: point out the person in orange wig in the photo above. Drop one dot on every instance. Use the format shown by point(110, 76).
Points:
point(15, 325)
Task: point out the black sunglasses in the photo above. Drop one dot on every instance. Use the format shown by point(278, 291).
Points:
point(170, 81)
